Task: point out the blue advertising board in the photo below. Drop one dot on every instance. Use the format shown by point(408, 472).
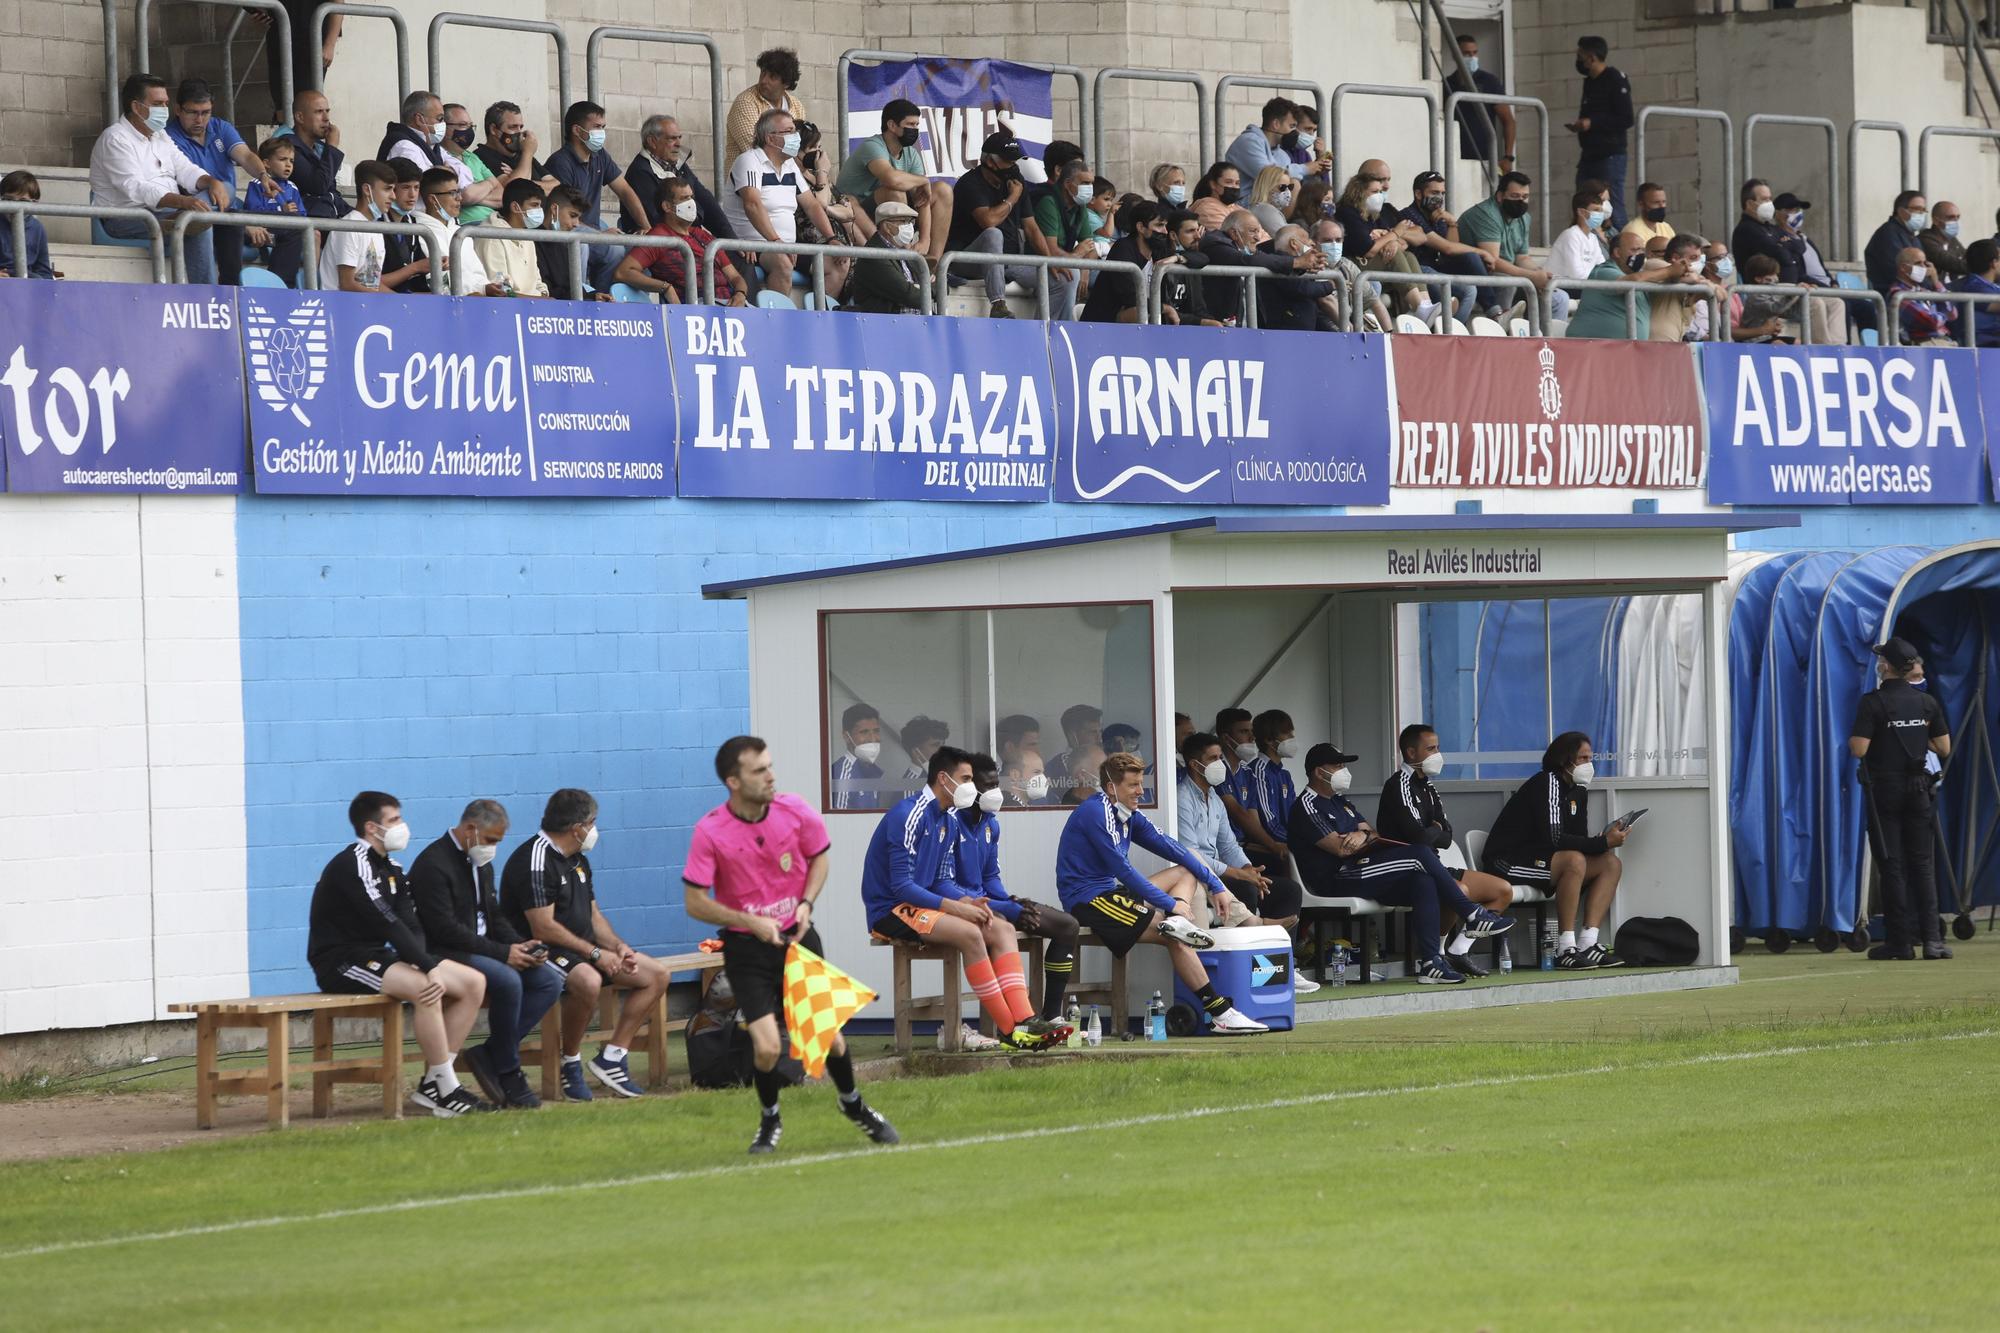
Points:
point(777, 405)
point(357, 394)
point(1154, 415)
point(120, 387)
point(1846, 425)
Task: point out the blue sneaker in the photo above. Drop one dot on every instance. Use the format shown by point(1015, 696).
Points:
point(1483, 923)
point(614, 1075)
point(573, 1086)
point(1433, 972)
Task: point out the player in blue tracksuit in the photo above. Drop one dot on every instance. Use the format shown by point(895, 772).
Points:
point(979, 873)
point(911, 890)
point(1340, 855)
point(1103, 890)
point(852, 776)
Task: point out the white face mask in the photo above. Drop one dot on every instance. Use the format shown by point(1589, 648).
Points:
point(395, 838)
point(589, 840)
point(1583, 773)
point(1288, 749)
point(991, 800)
point(1766, 211)
point(1696, 265)
point(868, 751)
point(533, 218)
point(1340, 779)
point(1246, 752)
point(1433, 764)
point(1037, 786)
point(1374, 202)
point(1214, 772)
point(481, 855)
point(964, 796)
point(686, 210)
point(1918, 272)
point(1472, 64)
point(902, 235)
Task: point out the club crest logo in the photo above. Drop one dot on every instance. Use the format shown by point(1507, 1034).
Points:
point(288, 356)
point(1549, 388)
point(785, 863)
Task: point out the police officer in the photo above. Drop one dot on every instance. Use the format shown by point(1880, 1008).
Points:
point(1893, 730)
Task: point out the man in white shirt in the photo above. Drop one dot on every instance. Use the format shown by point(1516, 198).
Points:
point(440, 203)
point(766, 193)
point(352, 260)
point(136, 164)
point(1580, 247)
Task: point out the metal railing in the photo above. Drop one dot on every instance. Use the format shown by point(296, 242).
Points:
point(848, 57)
point(1968, 322)
point(309, 262)
point(1364, 278)
point(1807, 294)
point(17, 212)
point(1265, 84)
point(433, 47)
point(1832, 156)
point(1042, 263)
point(1854, 129)
point(281, 21)
point(1428, 96)
point(389, 12)
point(593, 84)
point(1156, 286)
point(1544, 164)
point(578, 242)
point(1943, 132)
point(819, 254)
point(1205, 138)
point(1633, 291)
point(1693, 113)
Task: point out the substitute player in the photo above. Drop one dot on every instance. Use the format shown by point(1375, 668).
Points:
point(755, 868)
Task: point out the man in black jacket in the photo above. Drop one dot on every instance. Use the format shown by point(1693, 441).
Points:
point(452, 880)
point(1543, 837)
point(887, 286)
point(1601, 122)
point(1235, 244)
point(1412, 811)
point(660, 160)
point(364, 939)
point(316, 158)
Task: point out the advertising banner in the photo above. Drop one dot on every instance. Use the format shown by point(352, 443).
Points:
point(1545, 413)
point(1844, 425)
point(354, 394)
point(1154, 415)
point(778, 405)
point(962, 101)
point(120, 387)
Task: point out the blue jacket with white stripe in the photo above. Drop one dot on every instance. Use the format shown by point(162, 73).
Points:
point(976, 851)
point(911, 857)
point(1095, 855)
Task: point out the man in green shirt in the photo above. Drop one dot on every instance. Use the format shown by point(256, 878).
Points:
point(889, 168)
point(1602, 314)
point(1498, 228)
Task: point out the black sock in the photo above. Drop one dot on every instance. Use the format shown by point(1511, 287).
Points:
point(1056, 973)
point(768, 1084)
point(1210, 1000)
point(840, 1068)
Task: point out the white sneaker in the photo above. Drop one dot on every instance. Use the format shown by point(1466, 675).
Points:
point(970, 1038)
point(1303, 984)
point(1180, 929)
point(1233, 1020)
point(1426, 310)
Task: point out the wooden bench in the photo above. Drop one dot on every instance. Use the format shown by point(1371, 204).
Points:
point(947, 1007)
point(545, 1047)
point(272, 1014)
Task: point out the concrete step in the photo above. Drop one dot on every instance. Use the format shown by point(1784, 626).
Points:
point(100, 263)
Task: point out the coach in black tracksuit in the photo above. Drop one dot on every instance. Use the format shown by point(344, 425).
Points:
point(1893, 728)
point(1543, 837)
point(1412, 811)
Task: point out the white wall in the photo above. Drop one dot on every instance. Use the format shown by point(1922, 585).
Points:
point(120, 891)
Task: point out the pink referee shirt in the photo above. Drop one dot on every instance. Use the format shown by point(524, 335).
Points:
point(758, 868)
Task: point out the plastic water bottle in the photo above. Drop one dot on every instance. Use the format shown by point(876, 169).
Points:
point(1506, 958)
point(1156, 1018)
point(1549, 948)
point(1340, 963)
point(1074, 1041)
point(1096, 1030)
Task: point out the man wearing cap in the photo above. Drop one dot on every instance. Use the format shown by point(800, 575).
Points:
point(1437, 247)
point(887, 286)
point(1894, 728)
point(1829, 314)
point(990, 215)
point(1339, 854)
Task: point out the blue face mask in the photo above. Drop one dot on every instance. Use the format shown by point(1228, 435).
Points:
point(1332, 250)
point(594, 141)
point(1177, 194)
point(1951, 227)
point(792, 142)
point(374, 213)
point(1923, 685)
point(1725, 267)
point(1472, 64)
point(156, 119)
point(1596, 218)
point(1084, 193)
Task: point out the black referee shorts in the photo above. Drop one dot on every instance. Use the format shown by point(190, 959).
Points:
point(756, 972)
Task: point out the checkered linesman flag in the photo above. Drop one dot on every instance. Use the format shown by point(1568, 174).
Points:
point(819, 997)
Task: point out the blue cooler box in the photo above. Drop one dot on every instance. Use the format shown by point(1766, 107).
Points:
point(1253, 966)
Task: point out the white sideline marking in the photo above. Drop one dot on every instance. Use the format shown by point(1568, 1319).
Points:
point(969, 1141)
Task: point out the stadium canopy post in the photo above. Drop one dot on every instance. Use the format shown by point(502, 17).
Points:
point(1694, 113)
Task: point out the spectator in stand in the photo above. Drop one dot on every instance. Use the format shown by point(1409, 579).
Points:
point(514, 264)
point(990, 215)
point(1923, 323)
point(1105, 203)
point(136, 164)
point(849, 224)
point(317, 156)
point(1271, 196)
point(1907, 222)
point(1602, 313)
point(766, 193)
point(583, 165)
point(419, 136)
point(1300, 304)
point(1756, 318)
point(1302, 145)
point(1579, 248)
point(564, 212)
point(1116, 297)
point(273, 192)
point(440, 193)
point(213, 144)
point(1475, 130)
point(662, 158)
point(777, 75)
point(1672, 313)
point(1316, 200)
point(1261, 145)
point(1238, 244)
point(1216, 193)
point(888, 286)
point(508, 155)
point(351, 261)
point(1377, 238)
point(405, 261)
point(1942, 251)
point(1437, 246)
point(1758, 233)
point(889, 168)
point(1499, 226)
point(1330, 237)
point(21, 186)
point(662, 269)
point(1829, 313)
point(1181, 292)
point(479, 187)
point(1602, 119)
point(1651, 219)
point(1982, 263)
point(1719, 272)
point(1169, 185)
point(1063, 213)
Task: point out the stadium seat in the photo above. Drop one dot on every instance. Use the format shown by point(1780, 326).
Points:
point(261, 277)
point(1558, 328)
point(99, 236)
point(1453, 328)
point(625, 291)
point(1411, 324)
point(1519, 327)
point(770, 300)
point(1317, 911)
point(1483, 327)
point(948, 1006)
point(1870, 338)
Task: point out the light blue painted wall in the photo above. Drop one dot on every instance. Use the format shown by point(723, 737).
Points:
point(1860, 526)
